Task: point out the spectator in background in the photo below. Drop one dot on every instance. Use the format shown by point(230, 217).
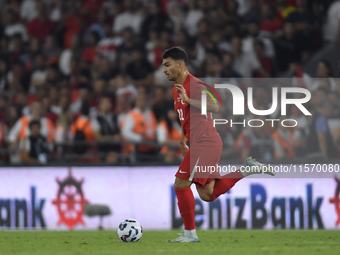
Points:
point(20, 130)
point(304, 21)
point(18, 79)
point(28, 10)
point(302, 17)
point(220, 43)
point(128, 44)
point(108, 45)
point(228, 70)
point(54, 96)
point(287, 48)
point(75, 76)
point(194, 15)
point(123, 106)
point(99, 87)
point(300, 131)
point(334, 98)
point(15, 50)
point(35, 148)
point(53, 76)
point(106, 129)
point(216, 13)
point(299, 77)
point(110, 66)
point(254, 12)
point(11, 117)
point(68, 54)
point(46, 108)
point(324, 74)
point(3, 142)
point(334, 120)
point(11, 27)
point(50, 49)
point(3, 75)
point(83, 96)
point(211, 67)
point(55, 7)
point(29, 57)
point(320, 138)
point(155, 20)
point(256, 142)
point(106, 70)
point(64, 121)
point(248, 44)
point(332, 25)
point(203, 37)
point(4, 48)
point(121, 85)
point(169, 133)
point(21, 102)
point(159, 103)
point(4, 102)
point(284, 9)
point(140, 70)
point(89, 10)
point(140, 125)
point(151, 46)
point(89, 52)
point(245, 63)
point(271, 23)
point(70, 25)
point(229, 12)
point(99, 26)
point(284, 146)
point(265, 62)
point(319, 95)
point(82, 130)
point(228, 140)
point(164, 43)
point(129, 18)
point(39, 75)
point(40, 26)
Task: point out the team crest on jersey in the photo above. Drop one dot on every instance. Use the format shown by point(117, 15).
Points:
point(179, 100)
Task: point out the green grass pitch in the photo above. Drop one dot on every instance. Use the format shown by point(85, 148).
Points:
point(252, 242)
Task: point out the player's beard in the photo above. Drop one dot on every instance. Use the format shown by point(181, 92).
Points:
point(172, 76)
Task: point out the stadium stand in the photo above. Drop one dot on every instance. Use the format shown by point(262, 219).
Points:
point(60, 59)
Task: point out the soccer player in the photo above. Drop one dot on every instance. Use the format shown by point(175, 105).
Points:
point(205, 144)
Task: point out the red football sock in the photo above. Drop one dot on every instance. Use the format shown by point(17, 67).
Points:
point(186, 205)
point(225, 184)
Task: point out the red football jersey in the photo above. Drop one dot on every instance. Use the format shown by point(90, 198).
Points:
point(196, 127)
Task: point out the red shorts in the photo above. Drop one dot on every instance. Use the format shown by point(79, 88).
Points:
point(200, 164)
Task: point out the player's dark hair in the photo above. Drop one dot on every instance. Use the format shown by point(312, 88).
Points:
point(176, 53)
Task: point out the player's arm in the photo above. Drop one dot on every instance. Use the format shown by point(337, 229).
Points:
point(211, 106)
point(183, 143)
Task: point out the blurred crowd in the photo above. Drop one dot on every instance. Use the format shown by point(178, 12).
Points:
point(84, 79)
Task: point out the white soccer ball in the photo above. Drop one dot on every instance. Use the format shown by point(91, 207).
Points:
point(130, 230)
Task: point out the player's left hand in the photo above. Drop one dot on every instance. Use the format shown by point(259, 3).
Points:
point(182, 93)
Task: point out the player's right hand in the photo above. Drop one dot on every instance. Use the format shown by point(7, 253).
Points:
point(184, 148)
